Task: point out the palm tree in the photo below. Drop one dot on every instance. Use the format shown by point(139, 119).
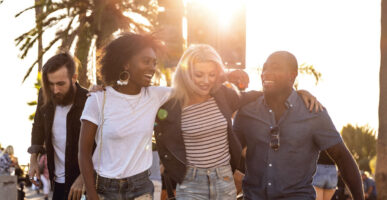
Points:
point(87, 22)
point(361, 142)
point(381, 169)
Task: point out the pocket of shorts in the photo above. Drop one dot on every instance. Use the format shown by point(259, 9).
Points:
point(100, 189)
point(144, 185)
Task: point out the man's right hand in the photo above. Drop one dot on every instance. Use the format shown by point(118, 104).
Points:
point(96, 88)
point(34, 169)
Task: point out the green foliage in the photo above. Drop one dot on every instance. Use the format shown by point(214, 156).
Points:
point(308, 70)
point(38, 85)
point(73, 18)
point(361, 142)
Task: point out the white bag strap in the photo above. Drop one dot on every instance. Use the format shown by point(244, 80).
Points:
point(100, 135)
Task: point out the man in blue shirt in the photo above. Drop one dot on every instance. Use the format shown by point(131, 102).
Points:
point(369, 186)
point(283, 139)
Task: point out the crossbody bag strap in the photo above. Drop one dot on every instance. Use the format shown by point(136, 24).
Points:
point(100, 136)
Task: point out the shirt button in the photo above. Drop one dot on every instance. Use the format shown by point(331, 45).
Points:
point(269, 184)
point(270, 165)
point(270, 110)
point(160, 134)
point(165, 156)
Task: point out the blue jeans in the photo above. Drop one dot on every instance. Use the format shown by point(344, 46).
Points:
point(325, 177)
point(202, 184)
point(138, 186)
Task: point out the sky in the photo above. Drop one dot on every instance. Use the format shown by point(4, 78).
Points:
point(339, 38)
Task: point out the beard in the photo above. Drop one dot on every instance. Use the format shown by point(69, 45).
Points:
point(66, 99)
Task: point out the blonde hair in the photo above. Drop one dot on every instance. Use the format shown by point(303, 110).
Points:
point(183, 85)
point(9, 150)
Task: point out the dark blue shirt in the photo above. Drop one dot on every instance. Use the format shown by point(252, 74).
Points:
point(367, 183)
point(288, 172)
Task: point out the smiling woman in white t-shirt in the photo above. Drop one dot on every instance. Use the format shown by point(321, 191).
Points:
point(120, 120)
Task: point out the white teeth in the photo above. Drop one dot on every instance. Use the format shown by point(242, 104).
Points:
point(148, 75)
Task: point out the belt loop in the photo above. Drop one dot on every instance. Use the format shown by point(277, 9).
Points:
point(194, 173)
point(217, 172)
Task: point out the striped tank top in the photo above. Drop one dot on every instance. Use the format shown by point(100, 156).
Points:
point(205, 135)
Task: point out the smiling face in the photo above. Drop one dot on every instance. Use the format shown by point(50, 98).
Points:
point(204, 76)
point(279, 73)
point(141, 67)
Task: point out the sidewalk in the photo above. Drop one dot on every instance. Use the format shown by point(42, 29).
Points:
point(32, 195)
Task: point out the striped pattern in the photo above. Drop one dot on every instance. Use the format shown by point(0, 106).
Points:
point(205, 135)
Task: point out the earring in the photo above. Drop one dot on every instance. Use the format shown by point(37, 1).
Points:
point(123, 78)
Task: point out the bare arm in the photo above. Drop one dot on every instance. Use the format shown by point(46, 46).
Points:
point(348, 169)
point(86, 142)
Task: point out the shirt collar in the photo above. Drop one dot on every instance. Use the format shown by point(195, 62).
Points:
point(290, 101)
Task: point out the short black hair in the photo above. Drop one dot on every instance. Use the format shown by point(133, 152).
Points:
point(52, 65)
point(117, 54)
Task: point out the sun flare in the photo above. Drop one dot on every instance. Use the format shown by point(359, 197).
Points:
point(224, 10)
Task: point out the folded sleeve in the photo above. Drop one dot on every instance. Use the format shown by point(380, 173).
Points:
point(91, 111)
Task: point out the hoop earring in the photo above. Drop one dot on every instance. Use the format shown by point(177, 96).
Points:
point(123, 78)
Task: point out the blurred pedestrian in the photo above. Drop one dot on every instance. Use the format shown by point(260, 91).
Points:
point(5, 163)
point(369, 186)
point(325, 178)
point(44, 176)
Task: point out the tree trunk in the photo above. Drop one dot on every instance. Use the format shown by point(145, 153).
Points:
point(82, 53)
point(381, 164)
point(38, 12)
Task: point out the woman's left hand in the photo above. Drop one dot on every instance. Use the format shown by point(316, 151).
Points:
point(310, 101)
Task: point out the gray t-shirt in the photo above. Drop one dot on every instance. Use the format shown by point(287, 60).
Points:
point(288, 172)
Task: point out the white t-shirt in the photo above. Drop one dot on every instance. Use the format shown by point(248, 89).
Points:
point(59, 141)
point(127, 129)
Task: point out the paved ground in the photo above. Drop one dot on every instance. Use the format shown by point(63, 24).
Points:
point(33, 195)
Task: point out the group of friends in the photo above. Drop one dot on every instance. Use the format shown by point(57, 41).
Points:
point(100, 143)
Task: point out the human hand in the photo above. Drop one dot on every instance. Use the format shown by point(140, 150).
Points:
point(239, 78)
point(76, 189)
point(34, 170)
point(96, 88)
point(238, 178)
point(310, 101)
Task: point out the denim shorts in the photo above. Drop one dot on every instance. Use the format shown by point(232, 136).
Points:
point(325, 177)
point(213, 183)
point(138, 186)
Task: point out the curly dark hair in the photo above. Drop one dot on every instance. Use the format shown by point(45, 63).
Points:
point(117, 54)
